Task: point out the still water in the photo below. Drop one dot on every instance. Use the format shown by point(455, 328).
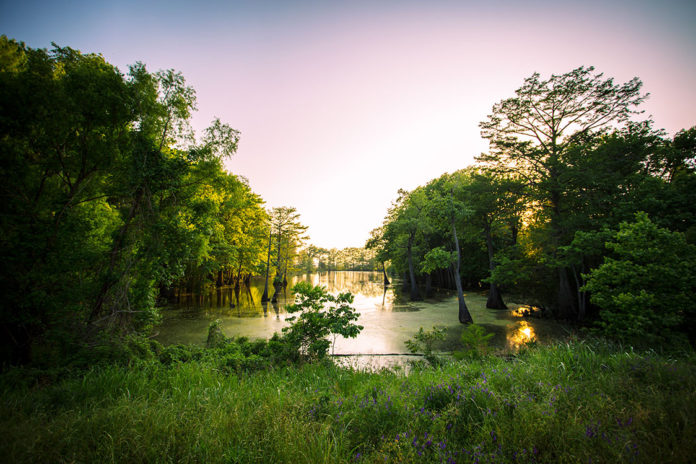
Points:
point(388, 318)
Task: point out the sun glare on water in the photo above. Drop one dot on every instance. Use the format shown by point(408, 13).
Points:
point(521, 334)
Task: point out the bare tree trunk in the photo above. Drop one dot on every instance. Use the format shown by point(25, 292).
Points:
point(264, 297)
point(582, 296)
point(285, 267)
point(238, 280)
point(464, 314)
point(415, 293)
point(384, 273)
point(495, 299)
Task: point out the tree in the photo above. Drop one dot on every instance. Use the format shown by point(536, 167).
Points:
point(287, 231)
point(530, 135)
point(377, 243)
point(446, 209)
point(104, 195)
point(307, 258)
point(496, 204)
point(645, 289)
point(405, 226)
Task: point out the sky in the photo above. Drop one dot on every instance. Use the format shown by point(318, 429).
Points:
point(342, 103)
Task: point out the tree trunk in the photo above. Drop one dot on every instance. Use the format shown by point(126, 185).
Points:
point(218, 282)
point(280, 237)
point(582, 296)
point(109, 279)
point(464, 315)
point(566, 301)
point(384, 273)
point(264, 297)
point(415, 293)
point(285, 267)
point(238, 280)
point(428, 285)
point(495, 299)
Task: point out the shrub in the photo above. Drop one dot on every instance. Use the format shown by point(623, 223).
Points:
point(321, 315)
point(475, 341)
point(423, 342)
point(215, 336)
point(645, 290)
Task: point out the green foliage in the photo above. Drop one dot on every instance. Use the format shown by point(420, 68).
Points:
point(321, 315)
point(646, 288)
point(475, 341)
point(424, 342)
point(570, 402)
point(437, 258)
point(566, 165)
point(215, 336)
point(109, 199)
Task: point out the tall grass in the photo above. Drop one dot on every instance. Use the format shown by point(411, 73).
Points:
point(572, 402)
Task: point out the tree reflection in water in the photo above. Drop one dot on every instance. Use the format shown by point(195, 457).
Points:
point(389, 319)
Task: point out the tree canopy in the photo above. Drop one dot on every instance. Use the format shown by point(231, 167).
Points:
point(568, 167)
point(108, 198)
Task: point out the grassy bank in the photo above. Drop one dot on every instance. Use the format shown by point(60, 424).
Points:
point(573, 402)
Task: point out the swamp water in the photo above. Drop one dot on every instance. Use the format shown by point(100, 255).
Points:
point(389, 319)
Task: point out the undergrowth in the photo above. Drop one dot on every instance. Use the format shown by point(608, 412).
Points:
point(569, 402)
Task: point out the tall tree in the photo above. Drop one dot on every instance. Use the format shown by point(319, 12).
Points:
point(100, 178)
point(447, 211)
point(287, 230)
point(378, 243)
point(530, 135)
point(404, 224)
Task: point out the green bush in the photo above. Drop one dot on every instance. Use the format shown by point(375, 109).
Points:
point(646, 289)
point(321, 315)
point(475, 341)
point(423, 342)
point(215, 336)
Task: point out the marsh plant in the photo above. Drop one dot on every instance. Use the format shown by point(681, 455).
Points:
point(321, 315)
point(475, 341)
point(423, 342)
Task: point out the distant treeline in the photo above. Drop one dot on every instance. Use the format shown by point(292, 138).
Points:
point(313, 258)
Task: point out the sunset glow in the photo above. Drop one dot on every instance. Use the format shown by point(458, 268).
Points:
point(342, 104)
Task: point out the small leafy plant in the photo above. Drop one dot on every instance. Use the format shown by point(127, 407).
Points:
point(216, 338)
point(321, 315)
point(475, 341)
point(423, 342)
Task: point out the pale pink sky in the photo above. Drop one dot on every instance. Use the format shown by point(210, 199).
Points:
point(340, 104)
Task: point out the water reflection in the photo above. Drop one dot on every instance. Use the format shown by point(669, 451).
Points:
point(528, 311)
point(389, 320)
point(246, 302)
point(520, 334)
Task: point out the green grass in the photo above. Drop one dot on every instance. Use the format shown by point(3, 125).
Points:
point(571, 402)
